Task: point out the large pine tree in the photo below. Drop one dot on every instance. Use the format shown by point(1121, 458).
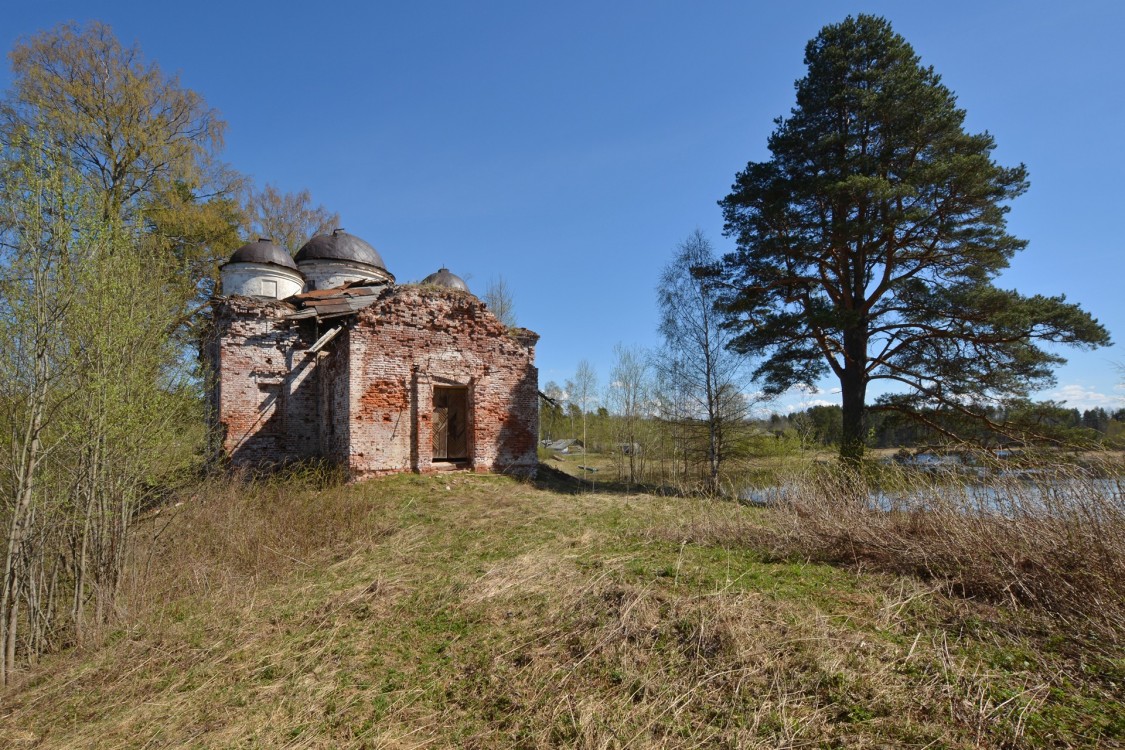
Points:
point(867, 245)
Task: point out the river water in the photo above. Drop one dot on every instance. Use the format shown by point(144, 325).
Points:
point(972, 489)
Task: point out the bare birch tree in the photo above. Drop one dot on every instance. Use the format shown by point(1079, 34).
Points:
point(289, 219)
point(696, 363)
point(92, 415)
point(38, 297)
point(583, 392)
point(629, 396)
point(498, 296)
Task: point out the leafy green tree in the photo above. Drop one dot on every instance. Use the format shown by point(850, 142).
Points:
point(1096, 419)
point(867, 245)
point(129, 128)
point(38, 297)
point(1115, 429)
point(112, 205)
point(146, 146)
point(190, 236)
point(94, 412)
point(827, 423)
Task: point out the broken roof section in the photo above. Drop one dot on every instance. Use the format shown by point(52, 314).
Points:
point(333, 303)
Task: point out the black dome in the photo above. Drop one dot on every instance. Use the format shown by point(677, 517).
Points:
point(263, 251)
point(443, 277)
point(340, 246)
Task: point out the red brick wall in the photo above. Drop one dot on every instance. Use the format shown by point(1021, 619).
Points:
point(333, 395)
point(415, 338)
point(366, 399)
point(266, 393)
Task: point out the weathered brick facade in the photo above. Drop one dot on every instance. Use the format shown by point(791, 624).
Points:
point(369, 398)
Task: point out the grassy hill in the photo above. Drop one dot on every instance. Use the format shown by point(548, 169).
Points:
point(479, 612)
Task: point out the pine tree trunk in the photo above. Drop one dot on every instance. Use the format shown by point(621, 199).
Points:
point(853, 393)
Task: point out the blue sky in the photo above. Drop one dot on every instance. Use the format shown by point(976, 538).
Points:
point(568, 147)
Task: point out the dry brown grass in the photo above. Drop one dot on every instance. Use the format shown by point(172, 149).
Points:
point(1053, 540)
point(478, 612)
point(232, 535)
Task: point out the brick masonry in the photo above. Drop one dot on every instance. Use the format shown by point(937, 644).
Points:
point(366, 400)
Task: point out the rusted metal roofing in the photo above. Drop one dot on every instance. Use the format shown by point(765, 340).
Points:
point(332, 303)
point(340, 246)
point(444, 277)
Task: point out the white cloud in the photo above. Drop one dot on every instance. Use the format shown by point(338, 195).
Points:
point(1083, 397)
point(799, 398)
point(802, 405)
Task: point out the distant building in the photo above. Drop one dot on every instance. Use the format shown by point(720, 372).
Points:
point(324, 356)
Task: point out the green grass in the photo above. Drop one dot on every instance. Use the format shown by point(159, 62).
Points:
point(478, 611)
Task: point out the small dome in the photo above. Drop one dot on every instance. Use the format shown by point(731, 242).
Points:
point(263, 251)
point(340, 246)
point(444, 278)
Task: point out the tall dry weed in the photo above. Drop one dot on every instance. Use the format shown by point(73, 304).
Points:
point(1053, 539)
point(229, 534)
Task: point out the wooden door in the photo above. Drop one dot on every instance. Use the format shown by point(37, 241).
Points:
point(450, 422)
point(441, 430)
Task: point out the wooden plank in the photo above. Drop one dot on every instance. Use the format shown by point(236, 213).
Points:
point(320, 343)
point(327, 308)
point(441, 432)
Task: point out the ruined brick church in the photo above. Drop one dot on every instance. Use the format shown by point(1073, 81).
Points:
point(323, 356)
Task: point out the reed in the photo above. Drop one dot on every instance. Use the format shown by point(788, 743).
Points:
point(1052, 539)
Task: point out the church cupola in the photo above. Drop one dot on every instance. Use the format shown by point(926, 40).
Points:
point(445, 278)
point(331, 260)
point(261, 269)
